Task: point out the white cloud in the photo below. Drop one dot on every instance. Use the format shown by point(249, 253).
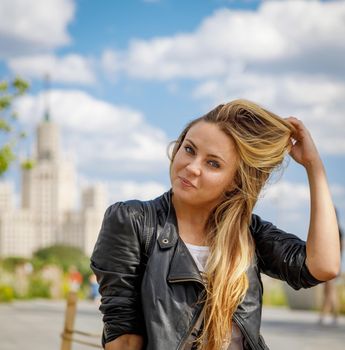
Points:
point(121, 190)
point(319, 101)
point(35, 26)
point(292, 195)
point(338, 190)
point(125, 190)
point(67, 69)
point(279, 35)
point(112, 63)
point(287, 56)
point(287, 204)
point(287, 195)
point(107, 139)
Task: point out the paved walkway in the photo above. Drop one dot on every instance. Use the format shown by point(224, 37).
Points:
point(285, 329)
point(37, 325)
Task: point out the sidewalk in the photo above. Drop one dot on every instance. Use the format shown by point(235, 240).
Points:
point(286, 329)
point(38, 325)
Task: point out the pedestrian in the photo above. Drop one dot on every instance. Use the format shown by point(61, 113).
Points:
point(75, 278)
point(198, 286)
point(94, 293)
point(330, 303)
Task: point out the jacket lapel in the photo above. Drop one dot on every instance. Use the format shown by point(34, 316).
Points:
point(182, 266)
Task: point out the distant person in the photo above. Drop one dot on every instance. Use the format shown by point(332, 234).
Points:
point(330, 303)
point(198, 284)
point(75, 279)
point(94, 293)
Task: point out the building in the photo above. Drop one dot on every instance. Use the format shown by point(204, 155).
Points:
point(48, 213)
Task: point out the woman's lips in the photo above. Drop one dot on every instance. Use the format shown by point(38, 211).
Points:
point(185, 182)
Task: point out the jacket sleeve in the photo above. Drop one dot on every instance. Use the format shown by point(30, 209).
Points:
point(281, 255)
point(116, 264)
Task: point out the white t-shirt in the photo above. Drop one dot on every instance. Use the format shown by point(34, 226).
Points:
point(200, 255)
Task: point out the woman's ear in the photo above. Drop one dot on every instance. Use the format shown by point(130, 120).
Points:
point(233, 187)
point(230, 191)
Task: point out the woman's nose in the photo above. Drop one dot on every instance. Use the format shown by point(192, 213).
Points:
point(194, 168)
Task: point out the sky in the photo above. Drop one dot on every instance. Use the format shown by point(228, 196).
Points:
point(126, 76)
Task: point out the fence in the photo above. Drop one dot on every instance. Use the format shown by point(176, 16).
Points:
point(69, 333)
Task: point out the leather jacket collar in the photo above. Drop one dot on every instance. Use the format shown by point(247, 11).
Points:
point(183, 267)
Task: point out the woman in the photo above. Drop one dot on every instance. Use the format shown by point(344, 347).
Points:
point(201, 287)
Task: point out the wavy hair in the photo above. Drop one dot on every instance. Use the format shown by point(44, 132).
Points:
point(262, 140)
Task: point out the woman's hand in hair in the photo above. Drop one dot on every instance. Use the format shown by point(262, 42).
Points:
point(303, 149)
point(323, 250)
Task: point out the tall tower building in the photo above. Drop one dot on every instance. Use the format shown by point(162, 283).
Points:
point(48, 140)
point(93, 203)
point(49, 188)
point(48, 198)
point(6, 196)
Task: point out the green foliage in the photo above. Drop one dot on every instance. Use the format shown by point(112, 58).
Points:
point(9, 264)
point(275, 296)
point(20, 86)
point(27, 164)
point(63, 256)
point(39, 288)
point(6, 158)
point(5, 126)
point(5, 101)
point(3, 86)
point(9, 91)
point(6, 293)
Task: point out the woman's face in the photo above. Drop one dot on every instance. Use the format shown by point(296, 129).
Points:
point(204, 167)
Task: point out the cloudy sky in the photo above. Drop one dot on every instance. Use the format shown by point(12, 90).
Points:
point(126, 76)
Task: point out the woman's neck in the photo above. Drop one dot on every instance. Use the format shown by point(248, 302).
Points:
point(191, 222)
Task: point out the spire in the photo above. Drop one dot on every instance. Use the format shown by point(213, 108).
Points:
point(46, 116)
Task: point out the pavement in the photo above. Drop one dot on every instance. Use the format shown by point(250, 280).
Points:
point(37, 325)
point(286, 329)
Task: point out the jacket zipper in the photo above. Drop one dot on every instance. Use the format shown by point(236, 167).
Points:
point(189, 279)
point(190, 330)
point(244, 331)
point(236, 319)
point(197, 314)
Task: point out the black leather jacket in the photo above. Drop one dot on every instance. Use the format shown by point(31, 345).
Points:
point(161, 301)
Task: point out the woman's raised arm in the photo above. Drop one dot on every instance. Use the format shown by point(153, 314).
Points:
point(323, 246)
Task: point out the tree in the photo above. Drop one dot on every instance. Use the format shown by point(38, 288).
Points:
point(9, 91)
point(63, 256)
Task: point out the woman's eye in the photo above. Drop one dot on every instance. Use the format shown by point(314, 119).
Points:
point(189, 149)
point(213, 163)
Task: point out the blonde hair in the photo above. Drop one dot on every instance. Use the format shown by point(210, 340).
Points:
point(261, 139)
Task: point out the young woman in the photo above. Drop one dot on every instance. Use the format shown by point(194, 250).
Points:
point(201, 286)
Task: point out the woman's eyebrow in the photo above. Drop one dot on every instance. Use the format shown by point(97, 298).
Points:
point(209, 155)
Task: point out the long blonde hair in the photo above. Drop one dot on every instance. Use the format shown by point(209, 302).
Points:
point(262, 139)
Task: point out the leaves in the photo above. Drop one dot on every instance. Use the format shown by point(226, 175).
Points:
point(63, 256)
point(20, 85)
point(5, 102)
point(3, 85)
point(9, 91)
point(4, 125)
point(6, 157)
point(28, 164)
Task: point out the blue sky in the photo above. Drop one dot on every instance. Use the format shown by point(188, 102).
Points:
point(126, 76)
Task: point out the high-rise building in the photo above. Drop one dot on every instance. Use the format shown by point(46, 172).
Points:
point(48, 212)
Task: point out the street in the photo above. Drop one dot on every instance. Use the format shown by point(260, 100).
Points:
point(37, 325)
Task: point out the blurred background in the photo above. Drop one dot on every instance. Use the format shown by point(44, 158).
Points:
point(92, 93)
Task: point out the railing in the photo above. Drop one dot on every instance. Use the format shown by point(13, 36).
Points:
point(68, 334)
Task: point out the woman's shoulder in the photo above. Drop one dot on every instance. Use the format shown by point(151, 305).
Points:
point(257, 224)
point(127, 208)
point(138, 209)
point(261, 228)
